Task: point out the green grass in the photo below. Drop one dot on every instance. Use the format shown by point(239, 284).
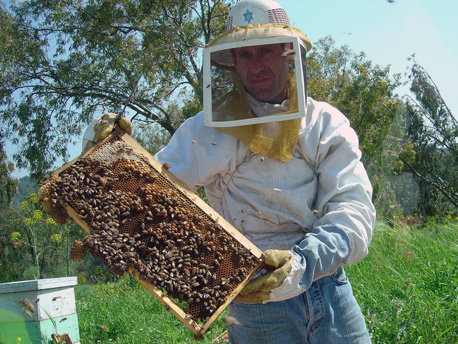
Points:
point(407, 288)
point(125, 312)
point(408, 285)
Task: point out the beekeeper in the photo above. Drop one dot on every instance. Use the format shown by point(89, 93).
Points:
point(291, 182)
point(285, 171)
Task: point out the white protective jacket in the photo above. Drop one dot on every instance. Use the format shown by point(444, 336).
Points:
point(318, 204)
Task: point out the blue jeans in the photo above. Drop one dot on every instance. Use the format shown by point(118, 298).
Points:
point(327, 313)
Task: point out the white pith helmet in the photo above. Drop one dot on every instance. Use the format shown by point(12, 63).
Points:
point(256, 12)
point(252, 20)
point(253, 23)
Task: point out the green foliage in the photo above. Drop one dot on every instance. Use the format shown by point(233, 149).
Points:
point(363, 92)
point(407, 285)
point(64, 62)
point(395, 191)
point(8, 185)
point(12, 262)
point(433, 157)
point(25, 186)
point(151, 137)
point(31, 273)
point(409, 147)
point(32, 244)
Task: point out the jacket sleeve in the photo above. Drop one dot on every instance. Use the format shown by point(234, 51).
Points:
point(343, 230)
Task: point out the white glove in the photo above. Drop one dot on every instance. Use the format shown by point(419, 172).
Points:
point(291, 285)
point(101, 127)
point(282, 283)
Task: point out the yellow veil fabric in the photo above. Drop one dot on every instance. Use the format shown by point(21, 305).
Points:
point(275, 140)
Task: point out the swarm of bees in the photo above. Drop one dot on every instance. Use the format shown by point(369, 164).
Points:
point(138, 220)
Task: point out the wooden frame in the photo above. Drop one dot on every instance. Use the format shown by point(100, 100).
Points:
point(197, 328)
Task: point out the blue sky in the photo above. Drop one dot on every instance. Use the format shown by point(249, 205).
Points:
point(389, 33)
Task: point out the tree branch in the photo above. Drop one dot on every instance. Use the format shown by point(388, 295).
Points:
point(438, 186)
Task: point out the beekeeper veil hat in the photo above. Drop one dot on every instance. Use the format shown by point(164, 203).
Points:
point(268, 129)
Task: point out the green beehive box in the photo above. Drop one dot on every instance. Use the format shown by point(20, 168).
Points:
point(54, 311)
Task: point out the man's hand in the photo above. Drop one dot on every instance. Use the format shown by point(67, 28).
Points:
point(101, 127)
point(263, 288)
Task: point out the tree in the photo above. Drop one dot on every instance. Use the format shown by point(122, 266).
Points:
point(25, 187)
point(8, 185)
point(65, 61)
point(433, 130)
point(363, 92)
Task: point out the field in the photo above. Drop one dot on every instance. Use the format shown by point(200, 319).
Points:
point(407, 288)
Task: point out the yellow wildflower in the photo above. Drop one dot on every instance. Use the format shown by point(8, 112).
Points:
point(50, 221)
point(15, 236)
point(34, 197)
point(37, 215)
point(24, 206)
point(57, 238)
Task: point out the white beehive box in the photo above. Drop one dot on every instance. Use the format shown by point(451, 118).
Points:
point(54, 313)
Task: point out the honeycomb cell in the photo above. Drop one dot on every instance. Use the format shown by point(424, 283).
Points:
point(77, 250)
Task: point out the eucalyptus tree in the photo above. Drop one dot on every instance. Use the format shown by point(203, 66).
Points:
point(365, 93)
point(63, 62)
point(8, 185)
point(433, 131)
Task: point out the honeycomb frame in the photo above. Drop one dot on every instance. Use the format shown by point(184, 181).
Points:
point(140, 219)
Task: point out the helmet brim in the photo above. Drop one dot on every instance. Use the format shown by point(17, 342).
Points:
point(253, 32)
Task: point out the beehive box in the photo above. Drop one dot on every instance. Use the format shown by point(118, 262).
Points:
point(141, 220)
point(36, 310)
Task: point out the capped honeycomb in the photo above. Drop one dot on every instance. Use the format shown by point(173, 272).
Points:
point(77, 250)
point(139, 220)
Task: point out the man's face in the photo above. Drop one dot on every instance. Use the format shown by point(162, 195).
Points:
point(263, 70)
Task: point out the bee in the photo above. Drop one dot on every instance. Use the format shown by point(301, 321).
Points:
point(28, 306)
point(228, 320)
point(103, 327)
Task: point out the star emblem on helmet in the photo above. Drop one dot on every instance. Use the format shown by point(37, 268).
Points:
point(248, 16)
